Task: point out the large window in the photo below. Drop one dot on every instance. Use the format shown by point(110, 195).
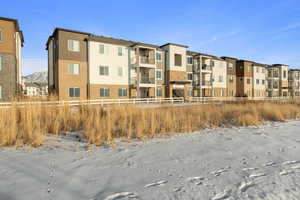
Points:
point(159, 75)
point(120, 71)
point(190, 76)
point(104, 92)
point(120, 51)
point(122, 92)
point(1, 62)
point(101, 49)
point(190, 60)
point(73, 69)
point(104, 71)
point(73, 45)
point(159, 92)
point(220, 79)
point(178, 60)
point(74, 92)
point(158, 56)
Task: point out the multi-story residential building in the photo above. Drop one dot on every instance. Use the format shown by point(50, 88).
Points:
point(86, 66)
point(231, 76)
point(294, 82)
point(259, 80)
point(277, 80)
point(244, 77)
point(11, 42)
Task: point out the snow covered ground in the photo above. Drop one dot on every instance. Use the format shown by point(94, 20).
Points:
point(244, 163)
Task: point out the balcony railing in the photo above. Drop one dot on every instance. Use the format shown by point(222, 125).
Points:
point(206, 83)
point(147, 60)
point(206, 67)
point(147, 80)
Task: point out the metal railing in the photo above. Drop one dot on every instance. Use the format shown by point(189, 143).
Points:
point(147, 60)
point(147, 80)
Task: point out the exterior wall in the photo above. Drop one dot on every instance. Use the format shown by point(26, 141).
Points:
point(8, 45)
point(8, 77)
point(112, 60)
point(244, 71)
point(177, 76)
point(113, 91)
point(50, 64)
point(67, 80)
point(231, 77)
point(10, 50)
point(170, 61)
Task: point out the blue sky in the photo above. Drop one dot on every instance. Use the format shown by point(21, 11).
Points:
point(266, 31)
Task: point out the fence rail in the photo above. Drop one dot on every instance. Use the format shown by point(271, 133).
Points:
point(177, 100)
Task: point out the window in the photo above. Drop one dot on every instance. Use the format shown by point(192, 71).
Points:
point(284, 74)
point(120, 51)
point(159, 75)
point(159, 92)
point(73, 69)
point(122, 92)
point(230, 66)
point(190, 76)
point(158, 56)
point(120, 71)
point(101, 49)
point(1, 62)
point(104, 71)
point(263, 82)
point(74, 92)
point(104, 92)
point(1, 35)
point(257, 81)
point(73, 45)
point(257, 69)
point(178, 60)
point(212, 63)
point(190, 60)
point(190, 92)
point(220, 78)
point(248, 81)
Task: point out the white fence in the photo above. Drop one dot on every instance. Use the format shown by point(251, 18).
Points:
point(101, 102)
point(179, 100)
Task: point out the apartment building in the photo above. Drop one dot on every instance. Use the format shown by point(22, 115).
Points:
point(231, 76)
point(11, 42)
point(85, 66)
point(294, 82)
point(277, 81)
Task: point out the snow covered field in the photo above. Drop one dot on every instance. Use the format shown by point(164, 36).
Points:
point(244, 163)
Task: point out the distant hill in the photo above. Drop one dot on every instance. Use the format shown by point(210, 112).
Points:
point(37, 77)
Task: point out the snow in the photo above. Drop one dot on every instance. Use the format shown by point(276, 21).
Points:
point(213, 164)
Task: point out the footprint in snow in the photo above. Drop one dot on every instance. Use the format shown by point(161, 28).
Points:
point(290, 162)
point(249, 169)
point(222, 195)
point(257, 175)
point(284, 172)
point(270, 164)
point(121, 195)
point(196, 178)
point(219, 172)
point(245, 185)
point(156, 184)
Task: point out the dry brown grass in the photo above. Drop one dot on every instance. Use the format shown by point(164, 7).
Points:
point(28, 125)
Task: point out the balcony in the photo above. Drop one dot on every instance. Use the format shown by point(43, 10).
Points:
point(147, 80)
point(206, 83)
point(147, 60)
point(206, 67)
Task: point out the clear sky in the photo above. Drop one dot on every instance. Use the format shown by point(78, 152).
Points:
point(266, 31)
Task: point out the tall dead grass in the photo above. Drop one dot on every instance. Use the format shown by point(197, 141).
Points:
point(28, 125)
